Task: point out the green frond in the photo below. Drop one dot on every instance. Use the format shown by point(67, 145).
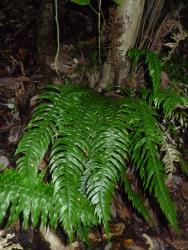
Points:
point(170, 101)
point(88, 137)
point(146, 138)
point(154, 66)
point(109, 146)
point(135, 199)
point(34, 202)
point(135, 55)
point(153, 63)
point(66, 164)
point(44, 125)
point(32, 149)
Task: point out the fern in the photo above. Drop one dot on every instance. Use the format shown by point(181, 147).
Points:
point(135, 199)
point(30, 200)
point(109, 146)
point(184, 166)
point(153, 63)
point(135, 55)
point(171, 154)
point(170, 101)
point(88, 138)
point(146, 137)
point(154, 66)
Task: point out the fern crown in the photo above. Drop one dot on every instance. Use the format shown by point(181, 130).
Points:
point(89, 138)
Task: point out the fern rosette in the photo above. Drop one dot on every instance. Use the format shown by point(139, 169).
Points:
point(88, 139)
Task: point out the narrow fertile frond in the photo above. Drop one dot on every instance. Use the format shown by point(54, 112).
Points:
point(146, 138)
point(171, 155)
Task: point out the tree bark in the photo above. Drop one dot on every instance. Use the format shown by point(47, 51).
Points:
point(131, 13)
point(45, 36)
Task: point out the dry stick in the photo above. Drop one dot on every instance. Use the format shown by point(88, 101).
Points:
point(58, 42)
point(99, 13)
point(99, 33)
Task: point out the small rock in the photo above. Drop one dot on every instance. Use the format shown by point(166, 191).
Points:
point(4, 162)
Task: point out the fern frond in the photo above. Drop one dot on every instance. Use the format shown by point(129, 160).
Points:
point(184, 166)
point(135, 55)
point(146, 138)
point(135, 199)
point(66, 164)
point(34, 202)
point(32, 148)
point(170, 101)
point(43, 127)
point(109, 146)
point(153, 63)
point(38, 135)
point(154, 66)
point(171, 154)
point(181, 116)
point(88, 137)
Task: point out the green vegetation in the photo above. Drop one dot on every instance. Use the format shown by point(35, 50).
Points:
point(177, 69)
point(88, 139)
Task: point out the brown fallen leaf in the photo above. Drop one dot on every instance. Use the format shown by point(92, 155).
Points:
point(119, 209)
point(128, 243)
point(180, 244)
point(94, 237)
point(115, 230)
point(164, 79)
point(135, 248)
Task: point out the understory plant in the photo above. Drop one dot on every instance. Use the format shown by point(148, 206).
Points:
point(87, 140)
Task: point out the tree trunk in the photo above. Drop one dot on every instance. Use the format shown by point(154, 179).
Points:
point(131, 13)
point(45, 36)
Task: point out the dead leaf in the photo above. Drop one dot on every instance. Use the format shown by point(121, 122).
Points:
point(135, 248)
point(93, 236)
point(180, 244)
point(42, 165)
point(119, 209)
point(34, 100)
point(14, 133)
point(164, 80)
point(128, 242)
point(115, 230)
